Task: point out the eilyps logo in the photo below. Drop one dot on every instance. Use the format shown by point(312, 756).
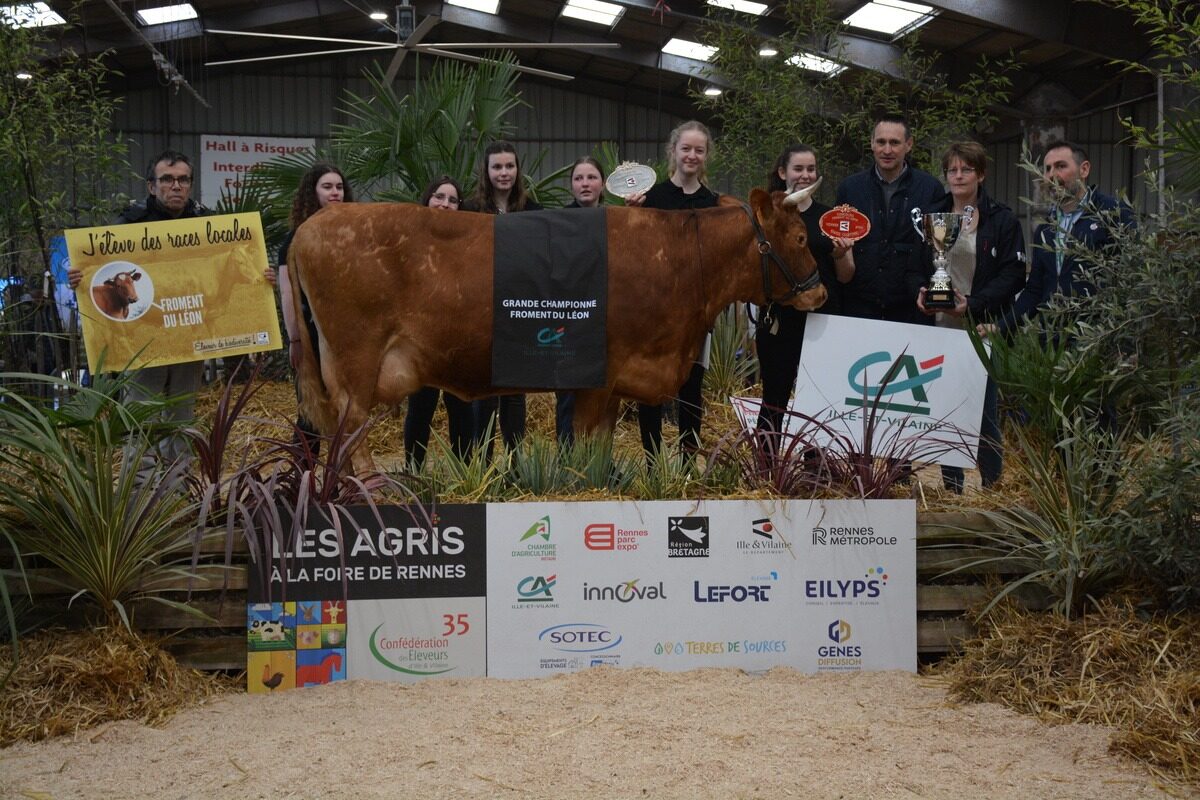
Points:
point(916, 376)
point(867, 587)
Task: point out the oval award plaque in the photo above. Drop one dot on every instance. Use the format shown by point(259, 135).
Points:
point(845, 222)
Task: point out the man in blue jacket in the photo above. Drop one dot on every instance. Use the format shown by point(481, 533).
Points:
point(887, 192)
point(1081, 218)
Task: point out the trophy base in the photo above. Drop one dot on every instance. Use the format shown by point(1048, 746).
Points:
point(939, 299)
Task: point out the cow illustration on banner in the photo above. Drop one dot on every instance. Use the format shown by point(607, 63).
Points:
point(169, 292)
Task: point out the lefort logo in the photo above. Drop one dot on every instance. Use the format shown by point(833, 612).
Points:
point(891, 388)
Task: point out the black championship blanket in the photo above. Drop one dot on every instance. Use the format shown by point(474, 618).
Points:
point(550, 299)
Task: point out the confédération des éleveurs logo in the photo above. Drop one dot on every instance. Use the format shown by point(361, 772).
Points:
point(411, 655)
point(687, 537)
point(891, 387)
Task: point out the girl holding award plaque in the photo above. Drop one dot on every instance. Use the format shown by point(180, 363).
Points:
point(779, 332)
point(687, 156)
point(987, 270)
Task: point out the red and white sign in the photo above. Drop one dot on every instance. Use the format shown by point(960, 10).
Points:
point(225, 161)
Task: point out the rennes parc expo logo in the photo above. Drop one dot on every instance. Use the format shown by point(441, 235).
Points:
point(891, 388)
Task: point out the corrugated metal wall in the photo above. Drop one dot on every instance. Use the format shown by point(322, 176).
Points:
point(301, 100)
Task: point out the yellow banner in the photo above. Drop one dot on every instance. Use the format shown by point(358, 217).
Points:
point(159, 293)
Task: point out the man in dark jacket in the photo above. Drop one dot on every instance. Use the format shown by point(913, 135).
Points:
point(169, 182)
point(1081, 218)
point(886, 192)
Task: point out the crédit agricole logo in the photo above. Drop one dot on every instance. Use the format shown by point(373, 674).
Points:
point(904, 380)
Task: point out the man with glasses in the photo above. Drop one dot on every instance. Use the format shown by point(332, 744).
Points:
point(169, 181)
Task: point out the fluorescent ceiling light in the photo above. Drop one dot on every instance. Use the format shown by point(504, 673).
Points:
point(164, 14)
point(768, 52)
point(378, 16)
point(29, 15)
point(712, 91)
point(595, 11)
point(745, 6)
point(686, 49)
point(24, 76)
point(815, 63)
point(486, 6)
point(892, 17)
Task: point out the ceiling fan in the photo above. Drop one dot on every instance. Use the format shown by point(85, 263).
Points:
point(408, 39)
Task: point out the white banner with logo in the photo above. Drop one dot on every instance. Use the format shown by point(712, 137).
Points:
point(226, 160)
point(816, 585)
point(936, 391)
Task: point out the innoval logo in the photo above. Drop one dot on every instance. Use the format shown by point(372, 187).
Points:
point(917, 375)
point(382, 659)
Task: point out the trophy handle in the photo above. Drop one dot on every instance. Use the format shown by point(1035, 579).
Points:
point(968, 215)
point(917, 221)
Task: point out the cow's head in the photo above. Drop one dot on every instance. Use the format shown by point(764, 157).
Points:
point(791, 275)
point(122, 284)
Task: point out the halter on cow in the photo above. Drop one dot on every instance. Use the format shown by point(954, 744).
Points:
point(402, 297)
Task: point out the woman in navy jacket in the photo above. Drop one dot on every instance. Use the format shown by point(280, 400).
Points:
point(986, 284)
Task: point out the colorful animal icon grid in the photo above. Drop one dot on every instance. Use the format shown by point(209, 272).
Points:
point(294, 644)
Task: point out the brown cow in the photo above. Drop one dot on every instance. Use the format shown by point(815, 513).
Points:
point(402, 297)
point(115, 295)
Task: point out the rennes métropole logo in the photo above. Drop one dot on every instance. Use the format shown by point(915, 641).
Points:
point(917, 374)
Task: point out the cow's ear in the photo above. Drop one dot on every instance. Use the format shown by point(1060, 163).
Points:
point(137, 276)
point(760, 201)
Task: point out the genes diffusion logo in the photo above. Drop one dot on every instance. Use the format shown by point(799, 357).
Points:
point(892, 387)
point(840, 656)
point(687, 537)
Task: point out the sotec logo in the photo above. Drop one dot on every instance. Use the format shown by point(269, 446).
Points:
point(580, 637)
point(687, 537)
point(551, 337)
point(917, 374)
point(536, 589)
point(867, 587)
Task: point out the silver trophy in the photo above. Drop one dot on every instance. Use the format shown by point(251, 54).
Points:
point(941, 231)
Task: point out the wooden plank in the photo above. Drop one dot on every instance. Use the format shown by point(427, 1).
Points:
point(935, 522)
point(210, 652)
point(231, 613)
point(942, 635)
point(961, 597)
point(45, 580)
point(933, 561)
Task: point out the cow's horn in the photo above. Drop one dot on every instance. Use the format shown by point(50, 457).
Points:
point(802, 194)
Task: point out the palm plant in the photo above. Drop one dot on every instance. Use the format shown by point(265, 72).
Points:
point(76, 492)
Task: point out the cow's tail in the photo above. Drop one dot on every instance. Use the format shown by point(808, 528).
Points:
point(316, 404)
